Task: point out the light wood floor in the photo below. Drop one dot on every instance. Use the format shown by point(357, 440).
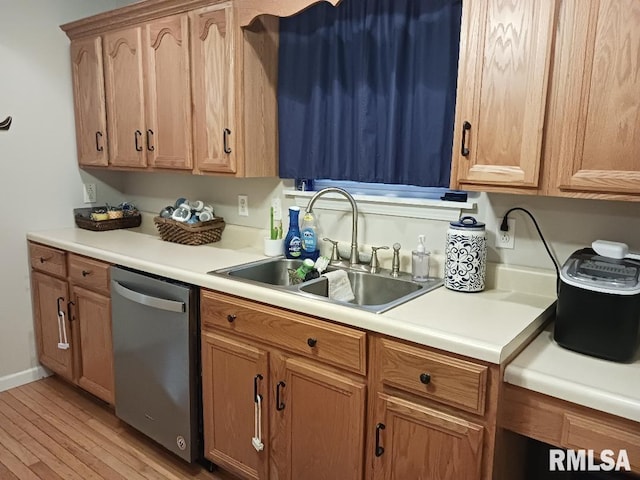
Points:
point(49, 430)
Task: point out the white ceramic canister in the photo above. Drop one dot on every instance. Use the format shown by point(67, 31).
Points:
point(466, 256)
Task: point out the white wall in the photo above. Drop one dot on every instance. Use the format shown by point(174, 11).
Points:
point(567, 224)
point(40, 183)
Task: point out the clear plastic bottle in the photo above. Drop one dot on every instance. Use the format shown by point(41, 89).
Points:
point(420, 262)
point(309, 233)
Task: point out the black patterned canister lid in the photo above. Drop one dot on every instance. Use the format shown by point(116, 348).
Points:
point(467, 223)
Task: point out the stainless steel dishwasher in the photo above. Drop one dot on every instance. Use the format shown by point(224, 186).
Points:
point(155, 350)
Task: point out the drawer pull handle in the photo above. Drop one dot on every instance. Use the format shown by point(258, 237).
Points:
point(379, 449)
point(86, 272)
point(279, 404)
point(425, 378)
point(231, 318)
point(45, 259)
point(312, 342)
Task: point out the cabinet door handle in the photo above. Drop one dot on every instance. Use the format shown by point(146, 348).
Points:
point(69, 313)
point(150, 147)
point(466, 126)
point(256, 379)
point(225, 140)
point(379, 449)
point(279, 405)
point(99, 147)
point(231, 318)
point(425, 378)
point(137, 136)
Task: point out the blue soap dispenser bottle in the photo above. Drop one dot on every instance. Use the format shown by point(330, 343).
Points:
point(292, 242)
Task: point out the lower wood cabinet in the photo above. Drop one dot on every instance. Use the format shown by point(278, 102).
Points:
point(50, 296)
point(432, 415)
point(311, 415)
point(325, 413)
point(233, 374)
point(319, 421)
point(92, 333)
point(72, 318)
point(421, 443)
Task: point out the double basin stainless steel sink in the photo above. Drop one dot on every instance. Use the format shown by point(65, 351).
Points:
point(374, 292)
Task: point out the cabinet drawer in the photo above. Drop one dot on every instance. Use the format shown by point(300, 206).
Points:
point(47, 259)
point(580, 432)
point(443, 378)
point(334, 344)
point(89, 273)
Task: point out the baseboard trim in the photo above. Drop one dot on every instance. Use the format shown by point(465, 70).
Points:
point(22, 378)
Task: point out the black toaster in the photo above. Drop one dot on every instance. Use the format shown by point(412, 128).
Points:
point(598, 309)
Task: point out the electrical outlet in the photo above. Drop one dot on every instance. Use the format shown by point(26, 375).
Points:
point(243, 205)
point(506, 239)
point(90, 193)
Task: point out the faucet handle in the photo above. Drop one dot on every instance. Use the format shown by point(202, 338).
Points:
point(374, 266)
point(395, 264)
point(335, 255)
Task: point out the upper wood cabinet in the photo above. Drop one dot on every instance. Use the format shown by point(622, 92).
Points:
point(505, 54)
point(594, 130)
point(548, 99)
point(89, 102)
point(214, 66)
point(168, 88)
point(148, 94)
point(124, 77)
point(234, 93)
point(185, 88)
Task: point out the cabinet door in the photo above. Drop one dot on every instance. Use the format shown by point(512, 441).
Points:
point(215, 136)
point(231, 371)
point(505, 51)
point(598, 102)
point(320, 423)
point(49, 294)
point(89, 102)
point(168, 101)
point(124, 76)
point(92, 316)
point(421, 443)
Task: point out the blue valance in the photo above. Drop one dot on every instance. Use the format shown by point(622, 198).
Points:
point(366, 91)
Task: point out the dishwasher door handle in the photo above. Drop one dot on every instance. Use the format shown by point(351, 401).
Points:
point(148, 300)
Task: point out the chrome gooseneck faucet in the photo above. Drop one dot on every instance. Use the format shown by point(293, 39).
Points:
point(354, 258)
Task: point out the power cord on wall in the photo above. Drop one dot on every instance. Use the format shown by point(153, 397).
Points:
point(504, 226)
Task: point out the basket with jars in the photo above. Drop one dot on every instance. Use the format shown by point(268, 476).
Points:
point(189, 223)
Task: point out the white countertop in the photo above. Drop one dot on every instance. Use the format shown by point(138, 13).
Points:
point(546, 367)
point(487, 326)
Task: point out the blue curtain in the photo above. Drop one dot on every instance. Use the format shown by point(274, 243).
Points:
point(366, 91)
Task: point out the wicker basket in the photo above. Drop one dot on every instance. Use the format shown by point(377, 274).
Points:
point(190, 234)
point(83, 220)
